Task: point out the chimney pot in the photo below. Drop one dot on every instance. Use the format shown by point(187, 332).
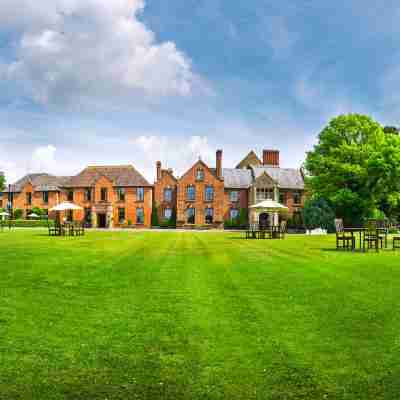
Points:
point(158, 170)
point(219, 163)
point(271, 157)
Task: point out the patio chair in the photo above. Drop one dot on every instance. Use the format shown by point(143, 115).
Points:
point(343, 240)
point(54, 228)
point(282, 229)
point(372, 237)
point(383, 229)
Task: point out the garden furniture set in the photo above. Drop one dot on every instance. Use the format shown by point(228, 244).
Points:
point(256, 231)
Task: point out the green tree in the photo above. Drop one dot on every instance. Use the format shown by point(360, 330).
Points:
point(2, 182)
point(154, 216)
point(318, 214)
point(391, 129)
point(355, 166)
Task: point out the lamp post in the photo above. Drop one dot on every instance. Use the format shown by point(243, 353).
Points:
point(10, 205)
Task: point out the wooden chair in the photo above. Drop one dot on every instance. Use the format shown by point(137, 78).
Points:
point(282, 229)
point(372, 237)
point(396, 242)
point(343, 240)
point(54, 228)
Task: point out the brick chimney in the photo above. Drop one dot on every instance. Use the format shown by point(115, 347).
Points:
point(158, 164)
point(271, 157)
point(219, 163)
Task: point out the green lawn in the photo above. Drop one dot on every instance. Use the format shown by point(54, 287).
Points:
point(147, 315)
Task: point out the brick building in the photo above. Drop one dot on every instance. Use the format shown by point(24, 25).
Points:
point(209, 196)
point(109, 195)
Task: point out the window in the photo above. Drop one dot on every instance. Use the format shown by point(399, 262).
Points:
point(191, 193)
point(121, 194)
point(282, 197)
point(140, 194)
point(234, 213)
point(167, 213)
point(168, 194)
point(88, 194)
point(121, 215)
point(103, 194)
point(140, 216)
point(209, 193)
point(29, 198)
point(234, 196)
point(200, 174)
point(45, 196)
point(190, 215)
point(296, 198)
point(70, 195)
point(265, 194)
point(70, 215)
point(209, 215)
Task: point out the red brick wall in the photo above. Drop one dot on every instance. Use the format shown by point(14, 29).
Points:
point(200, 204)
point(167, 181)
point(242, 203)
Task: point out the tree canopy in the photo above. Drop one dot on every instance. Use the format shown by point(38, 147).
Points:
point(2, 182)
point(356, 167)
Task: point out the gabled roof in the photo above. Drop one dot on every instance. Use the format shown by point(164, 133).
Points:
point(204, 165)
point(250, 159)
point(40, 182)
point(119, 175)
point(286, 178)
point(235, 178)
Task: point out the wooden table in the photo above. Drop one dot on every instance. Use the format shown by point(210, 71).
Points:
point(360, 231)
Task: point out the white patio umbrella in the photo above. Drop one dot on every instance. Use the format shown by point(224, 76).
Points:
point(33, 215)
point(270, 205)
point(65, 206)
point(4, 214)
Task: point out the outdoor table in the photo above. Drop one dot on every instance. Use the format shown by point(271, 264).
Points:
point(356, 230)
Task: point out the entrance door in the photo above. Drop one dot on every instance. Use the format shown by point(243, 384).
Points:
point(101, 221)
point(263, 221)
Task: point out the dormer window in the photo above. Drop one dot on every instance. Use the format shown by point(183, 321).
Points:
point(200, 174)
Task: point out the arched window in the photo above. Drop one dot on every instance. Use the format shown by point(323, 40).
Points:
point(190, 215)
point(191, 193)
point(200, 174)
point(209, 193)
point(209, 215)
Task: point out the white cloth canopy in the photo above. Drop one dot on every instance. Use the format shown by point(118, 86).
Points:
point(4, 214)
point(270, 205)
point(65, 207)
point(33, 215)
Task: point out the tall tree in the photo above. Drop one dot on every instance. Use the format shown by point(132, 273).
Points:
point(355, 166)
point(2, 181)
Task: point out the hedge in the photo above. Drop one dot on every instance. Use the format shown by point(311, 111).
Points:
point(23, 223)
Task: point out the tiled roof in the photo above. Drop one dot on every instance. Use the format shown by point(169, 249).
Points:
point(287, 178)
point(121, 175)
point(237, 178)
point(40, 182)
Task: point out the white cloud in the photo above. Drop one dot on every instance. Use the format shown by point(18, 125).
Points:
point(178, 152)
point(43, 159)
point(74, 51)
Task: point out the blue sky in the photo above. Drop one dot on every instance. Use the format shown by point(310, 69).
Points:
point(128, 81)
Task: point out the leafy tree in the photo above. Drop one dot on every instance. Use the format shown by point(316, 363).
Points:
point(243, 217)
point(2, 182)
point(318, 214)
point(391, 129)
point(154, 216)
point(355, 167)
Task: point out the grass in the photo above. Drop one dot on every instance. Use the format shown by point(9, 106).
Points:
point(159, 315)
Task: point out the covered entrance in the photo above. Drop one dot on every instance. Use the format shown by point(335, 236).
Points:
point(102, 220)
point(264, 221)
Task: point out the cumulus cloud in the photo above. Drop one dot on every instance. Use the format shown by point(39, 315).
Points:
point(178, 152)
point(43, 159)
point(70, 50)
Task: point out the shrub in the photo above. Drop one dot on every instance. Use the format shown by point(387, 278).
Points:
point(23, 223)
point(17, 214)
point(154, 216)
